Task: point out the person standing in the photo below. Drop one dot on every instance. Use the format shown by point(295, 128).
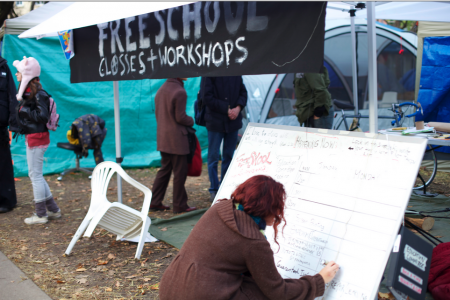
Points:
point(172, 142)
point(314, 106)
point(32, 116)
point(8, 103)
point(224, 99)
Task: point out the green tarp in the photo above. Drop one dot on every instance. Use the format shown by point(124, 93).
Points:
point(137, 107)
point(176, 230)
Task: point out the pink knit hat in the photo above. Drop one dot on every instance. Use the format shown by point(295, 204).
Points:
point(29, 68)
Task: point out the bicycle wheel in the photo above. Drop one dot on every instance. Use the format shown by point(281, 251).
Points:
point(427, 171)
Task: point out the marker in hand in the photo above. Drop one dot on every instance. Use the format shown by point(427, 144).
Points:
point(329, 271)
point(325, 262)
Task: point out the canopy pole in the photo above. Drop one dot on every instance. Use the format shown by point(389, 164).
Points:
point(372, 68)
point(118, 141)
point(354, 71)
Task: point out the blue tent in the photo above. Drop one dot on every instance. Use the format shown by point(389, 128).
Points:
point(434, 92)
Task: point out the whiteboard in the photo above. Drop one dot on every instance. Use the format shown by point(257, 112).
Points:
point(346, 196)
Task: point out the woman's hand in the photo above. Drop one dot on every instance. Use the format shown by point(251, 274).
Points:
point(329, 271)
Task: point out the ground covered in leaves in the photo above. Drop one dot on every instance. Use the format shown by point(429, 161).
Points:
point(98, 267)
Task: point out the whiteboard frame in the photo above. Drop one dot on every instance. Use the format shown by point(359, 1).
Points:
point(372, 136)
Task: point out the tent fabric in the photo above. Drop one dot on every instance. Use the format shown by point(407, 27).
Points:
point(416, 11)
point(138, 122)
point(434, 92)
point(427, 29)
point(176, 230)
point(95, 13)
point(34, 18)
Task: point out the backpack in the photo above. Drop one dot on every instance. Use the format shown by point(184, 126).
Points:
point(53, 121)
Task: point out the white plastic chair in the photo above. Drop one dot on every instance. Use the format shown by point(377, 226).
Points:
point(115, 217)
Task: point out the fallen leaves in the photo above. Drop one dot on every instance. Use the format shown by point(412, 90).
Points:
point(80, 269)
point(37, 276)
point(155, 286)
point(102, 262)
point(82, 280)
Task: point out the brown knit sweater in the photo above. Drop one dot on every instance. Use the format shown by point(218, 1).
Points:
point(224, 245)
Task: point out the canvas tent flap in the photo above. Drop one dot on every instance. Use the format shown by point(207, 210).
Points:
point(434, 93)
point(137, 109)
point(34, 17)
point(415, 11)
point(95, 13)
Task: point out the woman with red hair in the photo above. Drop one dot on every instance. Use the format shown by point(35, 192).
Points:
point(227, 255)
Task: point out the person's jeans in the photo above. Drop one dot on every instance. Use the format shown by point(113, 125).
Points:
point(229, 145)
point(35, 160)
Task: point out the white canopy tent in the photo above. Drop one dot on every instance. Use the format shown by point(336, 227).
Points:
point(83, 14)
point(413, 11)
point(34, 18)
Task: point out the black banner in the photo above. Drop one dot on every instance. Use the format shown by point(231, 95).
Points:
point(203, 39)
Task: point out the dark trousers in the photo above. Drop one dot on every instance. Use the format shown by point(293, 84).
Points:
point(179, 165)
point(7, 186)
point(229, 145)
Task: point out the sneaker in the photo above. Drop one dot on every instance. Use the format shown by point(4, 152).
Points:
point(54, 215)
point(35, 219)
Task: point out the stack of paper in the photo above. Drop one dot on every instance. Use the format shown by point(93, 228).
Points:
point(413, 130)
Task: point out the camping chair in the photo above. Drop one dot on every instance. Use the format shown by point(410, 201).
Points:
point(77, 150)
point(116, 217)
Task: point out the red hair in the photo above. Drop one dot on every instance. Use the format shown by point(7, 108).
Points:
point(261, 196)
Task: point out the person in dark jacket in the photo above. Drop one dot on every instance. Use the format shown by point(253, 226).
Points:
point(8, 103)
point(227, 256)
point(314, 106)
point(224, 99)
point(172, 142)
point(90, 131)
point(32, 115)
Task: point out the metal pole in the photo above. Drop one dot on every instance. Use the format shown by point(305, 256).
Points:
point(118, 141)
point(372, 68)
point(354, 71)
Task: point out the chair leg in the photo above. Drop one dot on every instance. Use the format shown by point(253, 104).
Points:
point(141, 243)
point(77, 235)
point(65, 172)
point(86, 170)
point(94, 221)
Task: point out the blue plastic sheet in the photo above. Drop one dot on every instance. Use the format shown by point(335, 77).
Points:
point(434, 92)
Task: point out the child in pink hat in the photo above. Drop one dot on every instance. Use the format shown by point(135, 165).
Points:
point(32, 118)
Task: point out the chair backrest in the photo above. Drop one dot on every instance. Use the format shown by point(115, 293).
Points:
point(100, 180)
